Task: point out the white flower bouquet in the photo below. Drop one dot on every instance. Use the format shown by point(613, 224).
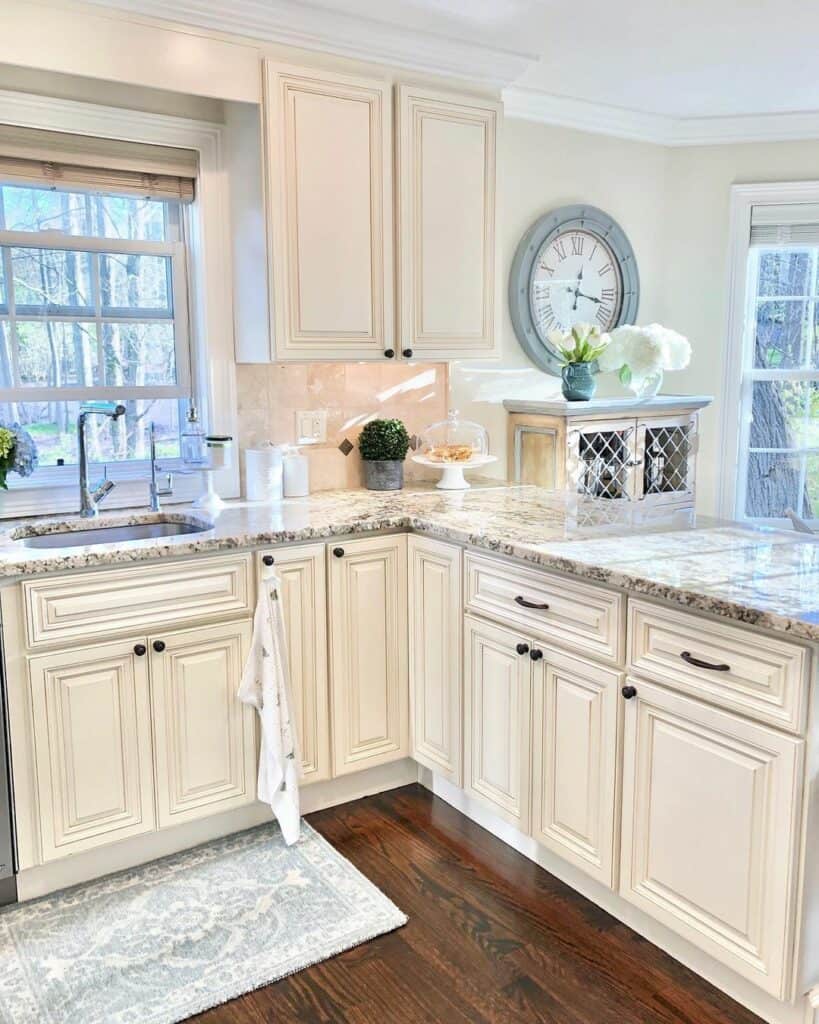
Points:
point(640, 355)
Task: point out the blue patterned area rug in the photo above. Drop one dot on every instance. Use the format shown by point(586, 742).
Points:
point(161, 942)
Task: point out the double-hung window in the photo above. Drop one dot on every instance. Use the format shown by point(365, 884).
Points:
point(93, 305)
point(778, 428)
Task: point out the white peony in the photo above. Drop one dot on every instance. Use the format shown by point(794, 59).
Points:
point(643, 351)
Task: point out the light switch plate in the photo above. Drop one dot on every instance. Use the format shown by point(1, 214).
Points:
point(311, 426)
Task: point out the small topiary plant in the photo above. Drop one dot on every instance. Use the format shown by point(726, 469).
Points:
point(383, 441)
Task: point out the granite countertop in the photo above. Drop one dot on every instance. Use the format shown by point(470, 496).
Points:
point(764, 577)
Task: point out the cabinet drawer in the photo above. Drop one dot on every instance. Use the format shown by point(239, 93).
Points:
point(736, 669)
point(90, 605)
point(584, 618)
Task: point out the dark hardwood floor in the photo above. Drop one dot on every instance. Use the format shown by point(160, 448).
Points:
point(491, 938)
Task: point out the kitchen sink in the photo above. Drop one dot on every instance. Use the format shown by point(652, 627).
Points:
point(74, 536)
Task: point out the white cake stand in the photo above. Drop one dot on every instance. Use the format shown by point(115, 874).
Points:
point(452, 473)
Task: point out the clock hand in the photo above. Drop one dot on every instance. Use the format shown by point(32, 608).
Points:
point(590, 297)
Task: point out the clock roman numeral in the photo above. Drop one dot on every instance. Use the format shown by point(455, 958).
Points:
point(607, 295)
point(545, 266)
point(541, 289)
point(603, 314)
point(605, 269)
point(560, 249)
point(594, 250)
point(546, 318)
point(578, 241)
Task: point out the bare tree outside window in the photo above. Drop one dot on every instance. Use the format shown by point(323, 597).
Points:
point(782, 384)
point(92, 305)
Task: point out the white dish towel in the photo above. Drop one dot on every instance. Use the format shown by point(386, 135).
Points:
point(266, 685)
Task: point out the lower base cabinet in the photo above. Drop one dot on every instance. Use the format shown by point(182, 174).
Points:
point(93, 755)
point(204, 737)
point(140, 734)
point(368, 652)
point(498, 693)
point(574, 761)
point(710, 830)
point(435, 642)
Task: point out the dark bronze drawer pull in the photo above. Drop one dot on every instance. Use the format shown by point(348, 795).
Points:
point(531, 604)
point(691, 660)
point(522, 648)
point(268, 559)
point(629, 692)
point(535, 654)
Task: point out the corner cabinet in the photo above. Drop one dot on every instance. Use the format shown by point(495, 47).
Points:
point(435, 629)
point(328, 148)
point(368, 652)
point(446, 158)
point(329, 152)
point(711, 819)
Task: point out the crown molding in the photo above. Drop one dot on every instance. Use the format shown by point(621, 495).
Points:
point(308, 27)
point(603, 119)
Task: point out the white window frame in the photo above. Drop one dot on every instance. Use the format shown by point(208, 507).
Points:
point(738, 370)
point(211, 374)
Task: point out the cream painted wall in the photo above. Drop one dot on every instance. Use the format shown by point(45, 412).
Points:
point(695, 265)
point(543, 167)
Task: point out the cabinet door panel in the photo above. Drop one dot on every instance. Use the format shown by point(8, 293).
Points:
point(368, 645)
point(435, 629)
point(205, 739)
point(710, 825)
point(575, 761)
point(447, 146)
point(497, 687)
point(304, 596)
point(92, 737)
point(329, 161)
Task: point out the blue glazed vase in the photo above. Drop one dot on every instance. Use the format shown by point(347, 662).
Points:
point(579, 384)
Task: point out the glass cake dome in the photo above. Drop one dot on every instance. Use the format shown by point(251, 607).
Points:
point(454, 440)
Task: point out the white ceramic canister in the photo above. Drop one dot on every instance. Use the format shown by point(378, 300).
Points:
point(296, 474)
point(263, 473)
point(218, 448)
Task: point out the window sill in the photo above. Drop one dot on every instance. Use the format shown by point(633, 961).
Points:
point(46, 496)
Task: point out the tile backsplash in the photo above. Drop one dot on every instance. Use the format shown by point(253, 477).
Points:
point(269, 396)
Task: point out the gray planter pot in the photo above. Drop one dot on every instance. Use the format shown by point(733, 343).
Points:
point(386, 475)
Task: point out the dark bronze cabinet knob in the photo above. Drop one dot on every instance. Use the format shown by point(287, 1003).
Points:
point(535, 654)
point(522, 648)
point(629, 692)
point(389, 353)
point(159, 646)
point(407, 353)
point(140, 650)
point(338, 552)
point(268, 559)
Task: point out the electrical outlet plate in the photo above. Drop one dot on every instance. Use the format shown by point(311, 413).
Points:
point(311, 426)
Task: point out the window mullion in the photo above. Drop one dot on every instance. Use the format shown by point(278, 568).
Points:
point(96, 292)
point(12, 314)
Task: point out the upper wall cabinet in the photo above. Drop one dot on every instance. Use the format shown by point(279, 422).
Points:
point(329, 152)
point(447, 155)
point(330, 211)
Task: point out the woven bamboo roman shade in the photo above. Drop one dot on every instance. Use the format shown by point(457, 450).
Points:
point(66, 162)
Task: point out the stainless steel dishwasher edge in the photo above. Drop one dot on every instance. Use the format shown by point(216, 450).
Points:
point(8, 882)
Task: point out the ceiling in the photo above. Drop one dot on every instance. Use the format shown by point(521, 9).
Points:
point(648, 66)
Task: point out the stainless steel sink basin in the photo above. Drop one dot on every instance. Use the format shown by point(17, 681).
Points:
point(71, 537)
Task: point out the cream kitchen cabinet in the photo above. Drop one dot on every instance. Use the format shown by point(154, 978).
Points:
point(710, 830)
point(330, 211)
point(435, 631)
point(329, 152)
point(91, 723)
point(140, 734)
point(205, 741)
point(574, 726)
point(446, 159)
point(497, 707)
point(368, 652)
point(302, 571)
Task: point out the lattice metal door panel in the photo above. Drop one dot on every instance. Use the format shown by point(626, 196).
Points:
point(668, 448)
point(601, 461)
